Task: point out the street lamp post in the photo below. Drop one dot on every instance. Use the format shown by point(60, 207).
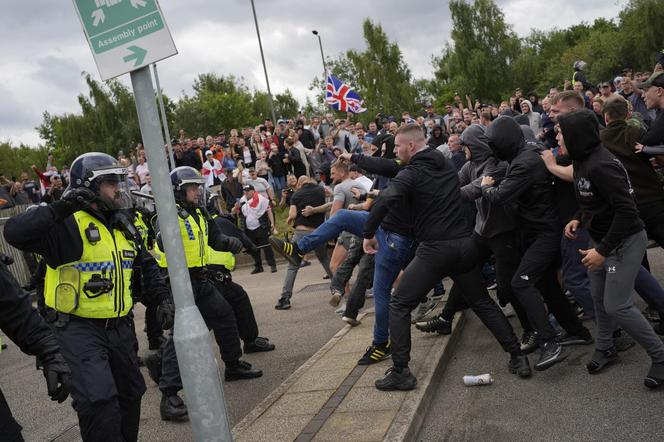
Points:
point(320, 43)
point(267, 80)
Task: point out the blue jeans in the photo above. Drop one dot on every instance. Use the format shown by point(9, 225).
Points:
point(344, 220)
point(648, 288)
point(393, 251)
point(278, 183)
point(575, 276)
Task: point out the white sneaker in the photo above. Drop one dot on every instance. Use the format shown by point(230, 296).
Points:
point(350, 321)
point(341, 310)
point(508, 311)
point(369, 293)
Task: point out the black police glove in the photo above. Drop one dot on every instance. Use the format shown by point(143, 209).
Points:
point(79, 197)
point(166, 314)
point(233, 245)
point(57, 374)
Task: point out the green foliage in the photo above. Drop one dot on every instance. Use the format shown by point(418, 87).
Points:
point(14, 160)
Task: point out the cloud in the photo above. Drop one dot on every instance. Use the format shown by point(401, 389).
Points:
point(44, 50)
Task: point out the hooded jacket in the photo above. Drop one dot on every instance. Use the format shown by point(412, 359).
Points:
point(534, 118)
point(620, 137)
point(439, 139)
point(491, 219)
point(430, 185)
point(605, 194)
point(527, 180)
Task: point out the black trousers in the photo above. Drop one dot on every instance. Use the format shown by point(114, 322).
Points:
point(505, 248)
point(239, 301)
point(107, 384)
point(433, 260)
point(10, 430)
point(219, 317)
point(535, 283)
point(152, 325)
point(358, 293)
point(260, 237)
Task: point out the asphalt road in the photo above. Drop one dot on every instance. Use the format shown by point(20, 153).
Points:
point(563, 403)
point(298, 333)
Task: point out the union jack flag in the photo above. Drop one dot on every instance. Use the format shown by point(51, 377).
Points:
point(339, 96)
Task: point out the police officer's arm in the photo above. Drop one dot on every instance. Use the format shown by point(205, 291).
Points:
point(156, 290)
point(49, 231)
point(228, 228)
point(220, 242)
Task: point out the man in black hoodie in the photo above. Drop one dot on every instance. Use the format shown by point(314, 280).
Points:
point(430, 184)
point(529, 182)
point(608, 210)
point(437, 138)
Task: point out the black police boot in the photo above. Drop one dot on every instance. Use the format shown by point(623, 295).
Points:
point(257, 270)
point(241, 370)
point(172, 408)
point(257, 345)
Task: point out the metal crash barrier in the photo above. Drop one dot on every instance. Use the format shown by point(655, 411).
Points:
point(19, 269)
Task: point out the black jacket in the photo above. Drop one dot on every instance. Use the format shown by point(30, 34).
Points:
point(19, 321)
point(51, 232)
point(527, 181)
point(655, 135)
point(605, 194)
point(430, 185)
point(437, 138)
point(397, 218)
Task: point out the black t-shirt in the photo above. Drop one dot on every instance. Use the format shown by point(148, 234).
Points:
point(565, 194)
point(309, 195)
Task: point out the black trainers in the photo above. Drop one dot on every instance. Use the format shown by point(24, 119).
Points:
point(257, 270)
point(529, 341)
point(288, 250)
point(241, 370)
point(520, 366)
point(655, 377)
point(435, 325)
point(552, 353)
point(273, 269)
point(258, 345)
point(375, 354)
point(153, 364)
point(397, 380)
point(172, 408)
point(283, 304)
point(602, 359)
point(565, 339)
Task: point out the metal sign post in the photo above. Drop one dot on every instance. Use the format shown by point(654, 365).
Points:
point(128, 35)
point(164, 121)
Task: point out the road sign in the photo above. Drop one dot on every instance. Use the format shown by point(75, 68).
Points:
point(124, 35)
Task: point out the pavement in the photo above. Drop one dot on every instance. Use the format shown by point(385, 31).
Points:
point(298, 333)
point(563, 403)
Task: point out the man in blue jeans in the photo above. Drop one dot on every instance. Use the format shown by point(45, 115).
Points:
point(395, 245)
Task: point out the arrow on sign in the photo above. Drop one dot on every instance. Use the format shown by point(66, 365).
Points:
point(98, 16)
point(137, 53)
point(137, 3)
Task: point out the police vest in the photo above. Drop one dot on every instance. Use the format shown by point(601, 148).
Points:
point(98, 285)
point(142, 227)
point(226, 259)
point(194, 233)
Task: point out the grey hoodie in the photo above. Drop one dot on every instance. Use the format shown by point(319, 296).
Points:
point(491, 219)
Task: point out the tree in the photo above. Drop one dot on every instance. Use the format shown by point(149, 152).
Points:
point(483, 52)
point(14, 160)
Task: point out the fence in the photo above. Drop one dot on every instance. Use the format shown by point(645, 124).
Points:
point(19, 269)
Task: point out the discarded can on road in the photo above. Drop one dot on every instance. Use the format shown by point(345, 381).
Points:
point(482, 379)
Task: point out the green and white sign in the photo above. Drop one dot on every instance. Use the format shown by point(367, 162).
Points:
point(124, 35)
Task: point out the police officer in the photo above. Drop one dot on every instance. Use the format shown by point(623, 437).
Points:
point(92, 253)
point(199, 236)
point(23, 325)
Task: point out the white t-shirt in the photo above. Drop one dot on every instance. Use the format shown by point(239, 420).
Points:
point(252, 215)
point(260, 185)
point(142, 172)
point(364, 183)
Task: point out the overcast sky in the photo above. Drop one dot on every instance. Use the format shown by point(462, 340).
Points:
point(44, 51)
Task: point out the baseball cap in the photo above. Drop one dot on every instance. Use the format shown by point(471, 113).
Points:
point(604, 84)
point(617, 79)
point(656, 79)
point(247, 187)
point(208, 152)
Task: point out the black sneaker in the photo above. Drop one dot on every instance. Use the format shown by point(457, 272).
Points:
point(273, 269)
point(283, 304)
point(257, 270)
point(601, 359)
point(552, 353)
point(288, 250)
point(172, 408)
point(655, 377)
point(435, 325)
point(565, 339)
point(529, 341)
point(375, 354)
point(520, 366)
point(241, 370)
point(397, 380)
point(153, 364)
point(258, 345)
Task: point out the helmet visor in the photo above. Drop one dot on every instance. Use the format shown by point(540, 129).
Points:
point(113, 188)
point(195, 195)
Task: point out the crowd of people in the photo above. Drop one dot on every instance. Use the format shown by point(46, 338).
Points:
point(550, 203)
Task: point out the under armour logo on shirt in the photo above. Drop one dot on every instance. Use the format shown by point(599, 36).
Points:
point(612, 269)
point(524, 277)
